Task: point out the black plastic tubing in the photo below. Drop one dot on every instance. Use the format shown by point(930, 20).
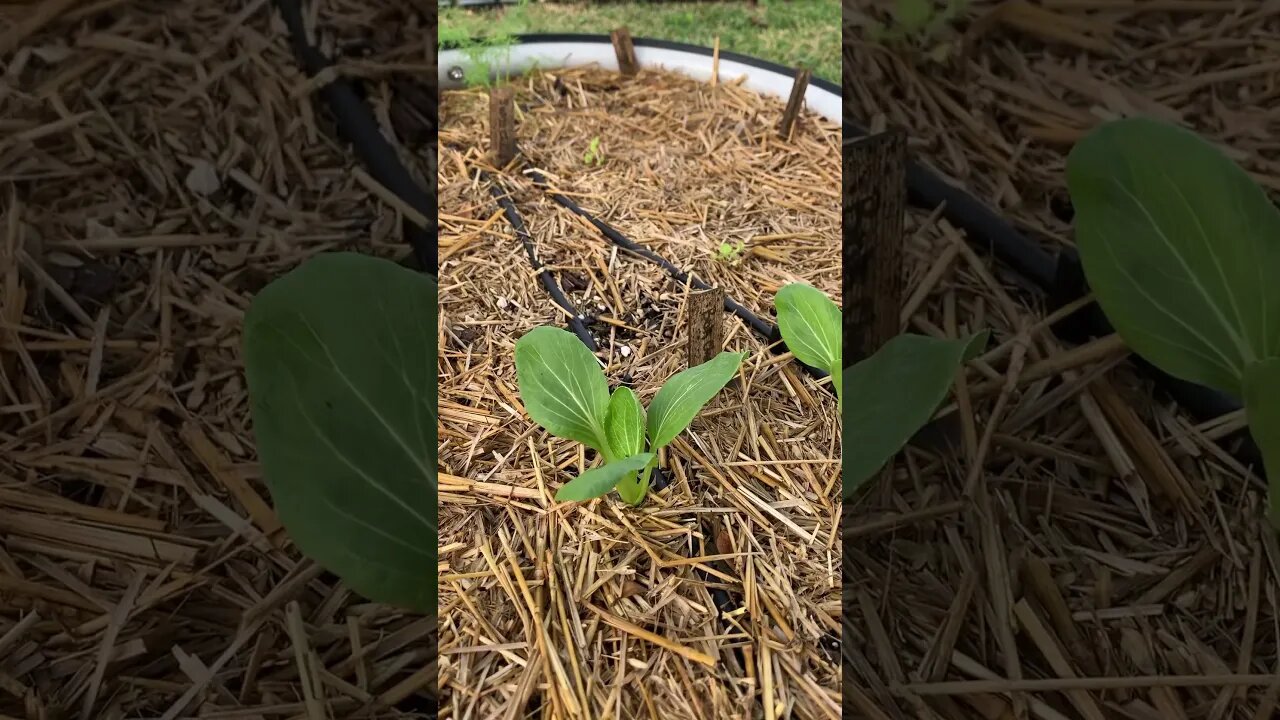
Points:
point(356, 123)
point(769, 332)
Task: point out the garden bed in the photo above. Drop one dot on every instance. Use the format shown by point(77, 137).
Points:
point(550, 603)
point(1102, 532)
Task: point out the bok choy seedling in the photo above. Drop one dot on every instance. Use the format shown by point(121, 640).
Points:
point(894, 392)
point(1182, 250)
point(565, 392)
point(340, 356)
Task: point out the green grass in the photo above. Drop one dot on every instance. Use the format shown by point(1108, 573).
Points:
point(800, 32)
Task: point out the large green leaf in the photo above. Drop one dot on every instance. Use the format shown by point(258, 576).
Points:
point(598, 481)
point(340, 356)
point(1262, 409)
point(679, 401)
point(562, 386)
point(892, 395)
point(1181, 248)
point(810, 325)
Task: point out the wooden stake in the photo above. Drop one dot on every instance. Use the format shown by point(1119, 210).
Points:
point(715, 63)
point(502, 125)
point(625, 51)
point(794, 104)
point(706, 325)
point(875, 193)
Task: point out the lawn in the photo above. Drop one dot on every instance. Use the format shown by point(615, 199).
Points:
point(802, 32)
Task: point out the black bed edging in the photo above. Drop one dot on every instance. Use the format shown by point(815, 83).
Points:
point(357, 123)
point(766, 330)
point(1062, 279)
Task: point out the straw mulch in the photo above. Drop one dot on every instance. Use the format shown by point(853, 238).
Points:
point(1088, 551)
point(597, 609)
point(159, 163)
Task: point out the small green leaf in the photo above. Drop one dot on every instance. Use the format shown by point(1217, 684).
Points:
point(340, 356)
point(893, 394)
point(599, 481)
point(679, 401)
point(1262, 409)
point(624, 423)
point(562, 386)
point(1181, 248)
point(914, 14)
point(810, 325)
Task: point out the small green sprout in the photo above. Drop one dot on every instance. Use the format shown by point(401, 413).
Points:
point(730, 253)
point(593, 154)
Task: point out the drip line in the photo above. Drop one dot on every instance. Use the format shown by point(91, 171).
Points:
point(766, 330)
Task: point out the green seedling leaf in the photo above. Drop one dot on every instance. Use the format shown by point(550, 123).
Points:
point(1262, 409)
point(340, 356)
point(810, 325)
point(913, 15)
point(599, 481)
point(624, 423)
point(562, 386)
point(1180, 247)
point(679, 401)
point(895, 392)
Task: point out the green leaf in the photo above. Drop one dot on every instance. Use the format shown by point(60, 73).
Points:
point(1181, 248)
point(624, 423)
point(562, 386)
point(1262, 409)
point(914, 14)
point(340, 356)
point(598, 481)
point(810, 325)
point(893, 394)
point(679, 401)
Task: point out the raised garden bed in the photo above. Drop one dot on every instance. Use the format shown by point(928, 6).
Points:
point(719, 595)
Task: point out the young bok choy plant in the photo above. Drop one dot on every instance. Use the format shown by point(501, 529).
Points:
point(565, 392)
point(340, 355)
point(1182, 250)
point(893, 393)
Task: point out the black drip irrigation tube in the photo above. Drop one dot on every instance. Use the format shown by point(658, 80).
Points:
point(1062, 280)
point(765, 330)
point(548, 283)
point(357, 123)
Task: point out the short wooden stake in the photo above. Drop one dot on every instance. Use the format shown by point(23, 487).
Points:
point(706, 325)
point(875, 193)
point(625, 50)
point(794, 104)
point(502, 125)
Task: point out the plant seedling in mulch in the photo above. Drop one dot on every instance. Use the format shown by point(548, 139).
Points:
point(594, 155)
point(895, 391)
point(730, 253)
point(1182, 250)
point(340, 356)
point(923, 22)
point(566, 393)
